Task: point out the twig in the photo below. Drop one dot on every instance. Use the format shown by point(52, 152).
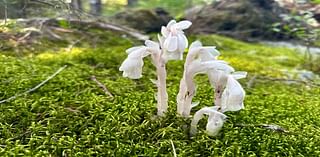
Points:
point(251, 81)
point(174, 149)
point(290, 80)
point(56, 36)
point(272, 127)
point(36, 87)
point(25, 36)
point(102, 86)
point(70, 47)
point(63, 30)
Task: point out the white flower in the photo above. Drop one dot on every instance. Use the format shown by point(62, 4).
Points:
point(132, 68)
point(188, 87)
point(233, 95)
point(132, 65)
point(215, 120)
point(204, 53)
point(174, 40)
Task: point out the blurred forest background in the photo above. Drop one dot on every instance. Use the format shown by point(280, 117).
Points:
point(295, 23)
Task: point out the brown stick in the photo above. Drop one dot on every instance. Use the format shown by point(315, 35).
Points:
point(102, 86)
point(36, 87)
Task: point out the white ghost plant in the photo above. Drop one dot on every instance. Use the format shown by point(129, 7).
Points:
point(229, 94)
point(231, 100)
point(215, 120)
point(171, 46)
point(199, 60)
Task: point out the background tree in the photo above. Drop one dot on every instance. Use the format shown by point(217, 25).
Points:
point(132, 2)
point(95, 7)
point(77, 4)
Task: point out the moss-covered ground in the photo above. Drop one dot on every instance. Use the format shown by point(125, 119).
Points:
point(71, 116)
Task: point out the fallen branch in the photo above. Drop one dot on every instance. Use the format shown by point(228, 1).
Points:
point(89, 23)
point(36, 87)
point(102, 86)
point(272, 127)
point(71, 46)
point(251, 81)
point(310, 83)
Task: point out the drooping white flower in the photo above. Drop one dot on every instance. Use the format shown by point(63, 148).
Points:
point(132, 68)
point(187, 85)
point(132, 65)
point(200, 59)
point(174, 40)
point(215, 120)
point(204, 53)
point(233, 95)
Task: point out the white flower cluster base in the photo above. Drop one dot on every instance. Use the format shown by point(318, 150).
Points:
point(229, 94)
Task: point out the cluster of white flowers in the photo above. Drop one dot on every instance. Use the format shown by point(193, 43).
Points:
point(229, 94)
point(171, 46)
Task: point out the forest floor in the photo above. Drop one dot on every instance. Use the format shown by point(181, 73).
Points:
point(70, 115)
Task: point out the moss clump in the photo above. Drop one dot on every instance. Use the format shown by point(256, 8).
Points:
point(71, 116)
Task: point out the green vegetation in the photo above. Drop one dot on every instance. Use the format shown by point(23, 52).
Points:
point(71, 116)
point(315, 1)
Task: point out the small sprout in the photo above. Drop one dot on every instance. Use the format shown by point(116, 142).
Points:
point(215, 120)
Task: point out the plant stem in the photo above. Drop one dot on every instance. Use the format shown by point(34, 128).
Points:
point(162, 95)
point(184, 99)
point(181, 95)
point(188, 95)
point(217, 96)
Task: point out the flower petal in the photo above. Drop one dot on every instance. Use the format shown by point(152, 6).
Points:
point(208, 53)
point(132, 68)
point(239, 75)
point(139, 53)
point(171, 43)
point(164, 31)
point(195, 44)
point(171, 23)
point(215, 123)
point(215, 120)
point(129, 50)
point(233, 96)
point(183, 42)
point(151, 44)
point(183, 25)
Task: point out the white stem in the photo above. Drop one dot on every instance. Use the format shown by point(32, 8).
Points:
point(162, 95)
point(196, 118)
point(181, 96)
point(217, 95)
point(189, 94)
point(183, 99)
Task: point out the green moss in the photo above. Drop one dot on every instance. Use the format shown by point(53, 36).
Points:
point(71, 116)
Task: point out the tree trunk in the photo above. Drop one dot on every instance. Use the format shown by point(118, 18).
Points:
point(12, 9)
point(95, 6)
point(132, 2)
point(77, 4)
